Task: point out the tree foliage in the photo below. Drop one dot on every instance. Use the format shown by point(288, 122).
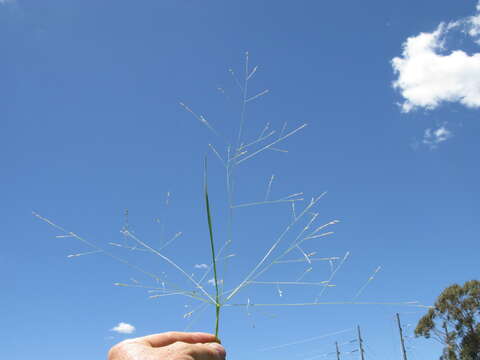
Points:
point(454, 321)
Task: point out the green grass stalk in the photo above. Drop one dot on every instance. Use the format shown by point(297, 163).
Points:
point(212, 247)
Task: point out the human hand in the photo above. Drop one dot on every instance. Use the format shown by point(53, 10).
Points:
point(169, 346)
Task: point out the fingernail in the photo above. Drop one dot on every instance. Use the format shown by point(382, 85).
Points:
point(219, 349)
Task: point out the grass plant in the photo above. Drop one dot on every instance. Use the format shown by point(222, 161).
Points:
point(302, 229)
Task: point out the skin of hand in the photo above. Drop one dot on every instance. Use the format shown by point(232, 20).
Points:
point(169, 346)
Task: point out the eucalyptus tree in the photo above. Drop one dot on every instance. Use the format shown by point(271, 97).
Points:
point(454, 321)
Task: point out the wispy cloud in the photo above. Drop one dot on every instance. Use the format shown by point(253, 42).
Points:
point(473, 25)
point(201, 266)
point(212, 281)
point(6, 1)
point(432, 137)
point(124, 328)
point(429, 74)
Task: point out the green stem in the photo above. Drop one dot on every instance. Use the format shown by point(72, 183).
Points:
point(212, 246)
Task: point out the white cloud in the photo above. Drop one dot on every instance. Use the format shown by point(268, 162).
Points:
point(433, 137)
point(429, 74)
point(212, 282)
point(201, 266)
point(474, 26)
point(123, 328)
point(6, 1)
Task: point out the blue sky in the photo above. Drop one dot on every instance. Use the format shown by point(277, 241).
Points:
point(91, 125)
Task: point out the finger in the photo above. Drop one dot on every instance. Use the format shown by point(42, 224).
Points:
point(210, 351)
point(167, 338)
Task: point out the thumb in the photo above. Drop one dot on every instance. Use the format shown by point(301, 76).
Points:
point(167, 338)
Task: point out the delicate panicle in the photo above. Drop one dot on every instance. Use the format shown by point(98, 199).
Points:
point(244, 104)
point(168, 260)
point(310, 283)
point(267, 126)
point(370, 279)
point(283, 129)
point(265, 202)
point(303, 260)
point(236, 79)
point(324, 226)
point(264, 92)
point(260, 139)
point(288, 246)
point(168, 294)
point(176, 236)
point(253, 274)
point(188, 314)
point(318, 236)
point(271, 144)
point(345, 257)
point(95, 247)
point(126, 246)
point(280, 292)
point(284, 233)
point(308, 270)
point(164, 291)
point(241, 153)
point(217, 154)
point(200, 118)
point(307, 258)
point(321, 303)
point(84, 253)
point(278, 150)
point(252, 72)
point(292, 195)
point(269, 187)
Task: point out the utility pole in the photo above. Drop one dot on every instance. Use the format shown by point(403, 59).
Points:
point(404, 352)
point(338, 351)
point(360, 343)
